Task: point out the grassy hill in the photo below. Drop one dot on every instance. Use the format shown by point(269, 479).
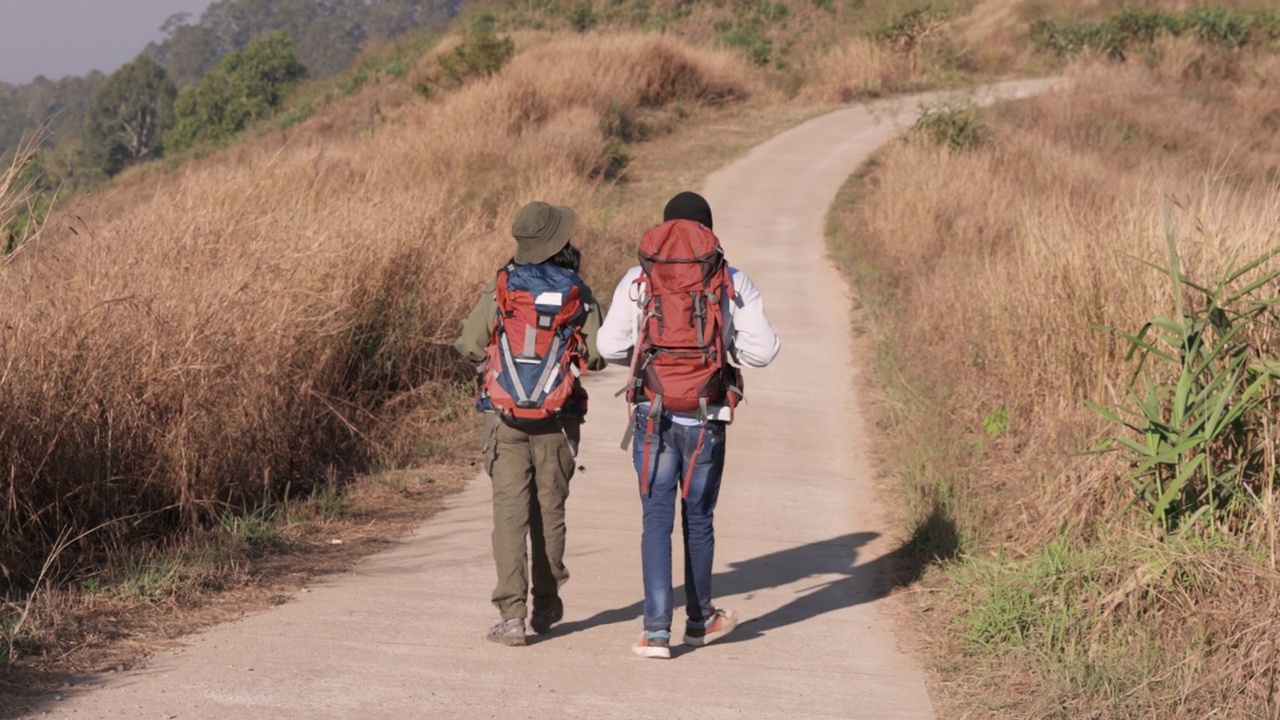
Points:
point(1091, 246)
point(214, 356)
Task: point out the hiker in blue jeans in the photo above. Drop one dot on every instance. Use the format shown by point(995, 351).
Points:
point(680, 454)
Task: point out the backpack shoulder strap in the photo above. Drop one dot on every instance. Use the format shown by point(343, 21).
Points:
point(500, 295)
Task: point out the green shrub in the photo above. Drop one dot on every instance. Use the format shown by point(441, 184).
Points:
point(1065, 37)
point(481, 54)
point(353, 83)
point(640, 10)
point(1134, 28)
point(399, 67)
point(911, 28)
point(1219, 26)
point(246, 86)
point(27, 193)
point(762, 9)
point(582, 18)
point(660, 21)
point(300, 113)
point(757, 47)
point(1266, 26)
point(9, 625)
point(956, 125)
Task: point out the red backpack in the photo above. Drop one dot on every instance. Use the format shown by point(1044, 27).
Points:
point(536, 351)
point(680, 363)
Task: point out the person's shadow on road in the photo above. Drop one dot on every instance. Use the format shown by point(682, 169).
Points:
point(935, 539)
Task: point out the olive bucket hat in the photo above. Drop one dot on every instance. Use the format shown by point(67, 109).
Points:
point(541, 231)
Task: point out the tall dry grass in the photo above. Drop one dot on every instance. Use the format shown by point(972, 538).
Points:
point(1000, 263)
point(856, 69)
point(995, 34)
point(285, 306)
point(819, 50)
point(1010, 256)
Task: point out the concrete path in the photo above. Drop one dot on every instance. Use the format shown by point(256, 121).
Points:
point(801, 555)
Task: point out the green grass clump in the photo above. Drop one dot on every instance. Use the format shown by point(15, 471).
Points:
point(957, 125)
point(1132, 29)
point(1199, 403)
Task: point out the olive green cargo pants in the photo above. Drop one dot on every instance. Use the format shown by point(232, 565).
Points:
point(530, 469)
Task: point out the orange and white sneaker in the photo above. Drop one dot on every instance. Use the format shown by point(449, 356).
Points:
point(653, 645)
point(697, 634)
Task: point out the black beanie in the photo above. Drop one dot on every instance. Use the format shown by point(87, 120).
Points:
point(688, 206)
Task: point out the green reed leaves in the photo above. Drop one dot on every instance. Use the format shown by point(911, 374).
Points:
point(1196, 406)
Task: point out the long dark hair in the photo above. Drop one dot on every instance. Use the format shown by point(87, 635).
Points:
point(569, 258)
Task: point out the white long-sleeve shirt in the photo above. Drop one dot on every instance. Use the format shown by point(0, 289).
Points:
point(748, 336)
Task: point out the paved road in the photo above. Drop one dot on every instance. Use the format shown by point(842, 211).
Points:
point(802, 548)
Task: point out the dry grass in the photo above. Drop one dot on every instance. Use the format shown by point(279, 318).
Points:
point(285, 306)
point(860, 68)
point(1030, 235)
point(998, 264)
point(818, 50)
point(986, 39)
point(995, 34)
point(70, 630)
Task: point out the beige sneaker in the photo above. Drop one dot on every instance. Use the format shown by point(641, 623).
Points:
point(508, 632)
point(697, 634)
point(653, 645)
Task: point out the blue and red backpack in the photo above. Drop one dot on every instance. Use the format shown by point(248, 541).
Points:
point(536, 353)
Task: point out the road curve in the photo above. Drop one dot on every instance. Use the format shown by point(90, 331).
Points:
point(801, 553)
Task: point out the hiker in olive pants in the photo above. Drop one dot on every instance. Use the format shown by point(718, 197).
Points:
point(530, 469)
point(531, 463)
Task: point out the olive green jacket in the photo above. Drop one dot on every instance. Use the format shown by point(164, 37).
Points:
point(478, 328)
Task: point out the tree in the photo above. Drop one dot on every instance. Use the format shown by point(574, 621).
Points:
point(246, 86)
point(482, 52)
point(129, 116)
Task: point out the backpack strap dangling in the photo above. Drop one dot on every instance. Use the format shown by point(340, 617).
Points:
point(693, 463)
point(646, 473)
point(629, 434)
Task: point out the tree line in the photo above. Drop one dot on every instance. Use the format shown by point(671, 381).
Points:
point(203, 82)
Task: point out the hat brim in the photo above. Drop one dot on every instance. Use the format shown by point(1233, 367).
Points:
point(544, 250)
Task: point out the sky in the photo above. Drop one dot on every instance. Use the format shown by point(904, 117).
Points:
point(56, 38)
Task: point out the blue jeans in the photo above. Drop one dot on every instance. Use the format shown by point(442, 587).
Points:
point(671, 455)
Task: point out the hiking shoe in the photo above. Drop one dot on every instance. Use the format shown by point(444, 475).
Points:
point(543, 618)
point(653, 645)
point(697, 634)
point(508, 632)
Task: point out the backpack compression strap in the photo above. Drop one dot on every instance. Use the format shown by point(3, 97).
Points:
point(693, 462)
point(650, 435)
